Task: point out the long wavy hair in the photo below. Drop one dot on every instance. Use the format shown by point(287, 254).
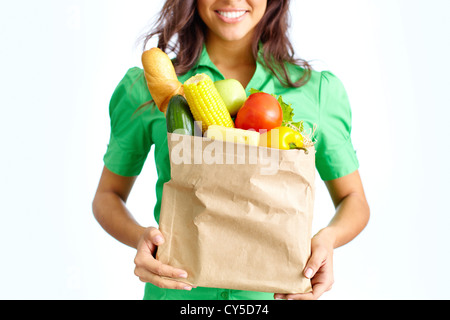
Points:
point(180, 30)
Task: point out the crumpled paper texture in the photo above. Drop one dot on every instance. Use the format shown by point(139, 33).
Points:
point(238, 216)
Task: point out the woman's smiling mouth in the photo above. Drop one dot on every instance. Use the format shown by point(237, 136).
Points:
point(231, 16)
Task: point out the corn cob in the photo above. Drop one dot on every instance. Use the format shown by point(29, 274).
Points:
point(205, 102)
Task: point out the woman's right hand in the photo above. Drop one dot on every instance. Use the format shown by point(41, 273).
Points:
point(150, 270)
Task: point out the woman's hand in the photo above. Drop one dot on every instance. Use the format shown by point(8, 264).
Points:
point(352, 216)
point(319, 268)
point(150, 270)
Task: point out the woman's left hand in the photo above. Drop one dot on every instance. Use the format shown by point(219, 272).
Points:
point(319, 269)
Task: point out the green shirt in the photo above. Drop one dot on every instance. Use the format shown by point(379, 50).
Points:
point(322, 102)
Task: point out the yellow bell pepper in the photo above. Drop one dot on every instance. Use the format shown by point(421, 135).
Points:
point(283, 138)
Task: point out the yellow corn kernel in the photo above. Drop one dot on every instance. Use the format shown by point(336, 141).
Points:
point(205, 102)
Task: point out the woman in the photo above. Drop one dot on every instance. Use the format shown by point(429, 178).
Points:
point(244, 40)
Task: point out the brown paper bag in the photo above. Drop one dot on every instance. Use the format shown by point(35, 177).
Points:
point(238, 217)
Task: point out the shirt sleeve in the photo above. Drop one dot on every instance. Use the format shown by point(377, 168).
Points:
point(130, 140)
point(335, 157)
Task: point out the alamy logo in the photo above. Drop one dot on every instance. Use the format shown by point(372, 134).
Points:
point(196, 150)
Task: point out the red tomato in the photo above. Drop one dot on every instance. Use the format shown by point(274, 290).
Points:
point(261, 111)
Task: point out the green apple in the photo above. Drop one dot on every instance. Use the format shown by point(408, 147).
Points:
point(233, 93)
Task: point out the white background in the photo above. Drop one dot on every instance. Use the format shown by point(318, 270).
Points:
point(60, 62)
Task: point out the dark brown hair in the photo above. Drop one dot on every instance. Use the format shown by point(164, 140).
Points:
point(180, 30)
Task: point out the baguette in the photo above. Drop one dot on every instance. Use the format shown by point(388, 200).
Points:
point(161, 78)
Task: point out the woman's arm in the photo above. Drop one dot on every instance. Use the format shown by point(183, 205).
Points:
point(352, 216)
point(352, 209)
point(109, 207)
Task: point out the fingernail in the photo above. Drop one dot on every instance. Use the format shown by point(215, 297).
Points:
point(183, 275)
point(187, 288)
point(308, 273)
point(158, 239)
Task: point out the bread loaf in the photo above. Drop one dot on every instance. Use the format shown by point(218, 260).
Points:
point(161, 78)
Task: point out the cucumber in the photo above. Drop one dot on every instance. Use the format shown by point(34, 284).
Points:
point(179, 117)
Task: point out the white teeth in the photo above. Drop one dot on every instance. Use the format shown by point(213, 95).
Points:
point(232, 14)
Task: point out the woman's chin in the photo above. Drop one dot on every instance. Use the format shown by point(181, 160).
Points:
point(234, 36)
